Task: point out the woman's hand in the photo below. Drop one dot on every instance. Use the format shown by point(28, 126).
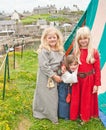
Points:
point(95, 89)
point(57, 78)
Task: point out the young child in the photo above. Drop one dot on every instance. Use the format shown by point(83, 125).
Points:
point(69, 76)
point(84, 102)
point(50, 54)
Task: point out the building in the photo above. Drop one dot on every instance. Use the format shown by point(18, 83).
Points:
point(15, 16)
point(7, 27)
point(45, 10)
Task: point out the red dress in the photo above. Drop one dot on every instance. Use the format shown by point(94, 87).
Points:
point(84, 103)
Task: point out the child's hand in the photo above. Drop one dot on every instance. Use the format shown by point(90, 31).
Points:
point(63, 69)
point(57, 78)
point(95, 89)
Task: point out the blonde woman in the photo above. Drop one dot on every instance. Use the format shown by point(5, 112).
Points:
point(84, 103)
point(50, 54)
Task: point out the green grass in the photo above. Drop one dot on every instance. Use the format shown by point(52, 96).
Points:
point(48, 17)
point(16, 108)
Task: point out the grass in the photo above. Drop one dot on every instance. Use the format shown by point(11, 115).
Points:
point(16, 108)
point(48, 17)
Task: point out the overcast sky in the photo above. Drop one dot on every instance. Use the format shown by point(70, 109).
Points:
point(21, 5)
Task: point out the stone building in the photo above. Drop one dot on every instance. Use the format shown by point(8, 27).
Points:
point(45, 10)
point(7, 27)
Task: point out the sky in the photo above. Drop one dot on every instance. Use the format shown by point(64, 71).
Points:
point(20, 5)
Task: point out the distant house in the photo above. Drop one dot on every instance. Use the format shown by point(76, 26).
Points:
point(65, 10)
point(15, 16)
point(3, 16)
point(7, 27)
point(41, 22)
point(45, 10)
point(54, 23)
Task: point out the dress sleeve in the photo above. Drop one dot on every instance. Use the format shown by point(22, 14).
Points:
point(44, 65)
point(97, 68)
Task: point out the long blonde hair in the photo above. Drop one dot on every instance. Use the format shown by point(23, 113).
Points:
point(83, 32)
point(44, 44)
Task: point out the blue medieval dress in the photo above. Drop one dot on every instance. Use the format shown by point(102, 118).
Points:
point(63, 106)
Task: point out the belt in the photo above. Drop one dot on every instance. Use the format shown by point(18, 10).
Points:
point(85, 74)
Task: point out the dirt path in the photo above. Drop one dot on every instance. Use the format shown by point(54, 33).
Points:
point(24, 124)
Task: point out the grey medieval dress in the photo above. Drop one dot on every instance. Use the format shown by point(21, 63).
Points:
point(45, 103)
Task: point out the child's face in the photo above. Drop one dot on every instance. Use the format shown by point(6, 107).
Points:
point(52, 39)
point(73, 66)
point(83, 42)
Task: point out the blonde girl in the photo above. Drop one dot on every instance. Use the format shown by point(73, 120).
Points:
point(84, 102)
point(50, 54)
